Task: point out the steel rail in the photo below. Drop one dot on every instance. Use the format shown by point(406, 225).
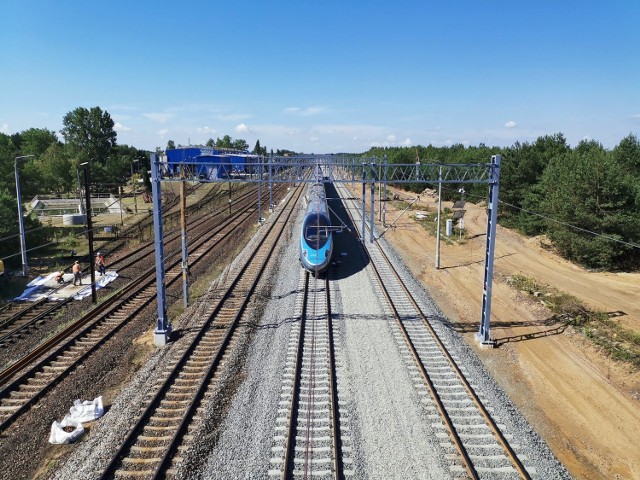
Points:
point(338, 466)
point(457, 441)
point(308, 352)
point(48, 310)
point(9, 316)
point(124, 263)
point(128, 442)
point(90, 321)
point(144, 279)
point(293, 408)
point(469, 389)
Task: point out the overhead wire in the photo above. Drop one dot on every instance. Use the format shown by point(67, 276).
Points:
point(560, 222)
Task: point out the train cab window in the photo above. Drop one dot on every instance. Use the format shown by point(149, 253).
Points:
point(316, 231)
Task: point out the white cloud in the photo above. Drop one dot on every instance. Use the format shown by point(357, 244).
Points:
point(158, 117)
point(636, 116)
point(242, 128)
point(511, 124)
point(121, 128)
point(163, 132)
point(205, 130)
point(314, 139)
point(391, 138)
point(233, 117)
point(306, 112)
point(5, 128)
point(407, 142)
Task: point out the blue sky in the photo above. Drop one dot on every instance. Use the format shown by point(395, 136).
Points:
point(326, 76)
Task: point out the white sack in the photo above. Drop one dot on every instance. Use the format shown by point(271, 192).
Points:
point(58, 436)
point(86, 411)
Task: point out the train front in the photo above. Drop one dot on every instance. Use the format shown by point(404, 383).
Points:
point(316, 242)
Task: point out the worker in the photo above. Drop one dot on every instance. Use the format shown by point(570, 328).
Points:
point(77, 273)
point(60, 277)
point(101, 264)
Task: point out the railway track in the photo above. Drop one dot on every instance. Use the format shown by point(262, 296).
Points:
point(16, 319)
point(29, 317)
point(31, 377)
point(152, 447)
point(478, 447)
point(309, 437)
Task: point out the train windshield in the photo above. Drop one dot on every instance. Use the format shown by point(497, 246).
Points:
point(316, 231)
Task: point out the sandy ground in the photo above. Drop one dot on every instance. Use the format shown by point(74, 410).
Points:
point(586, 406)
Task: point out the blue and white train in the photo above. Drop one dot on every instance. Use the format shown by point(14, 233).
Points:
point(316, 239)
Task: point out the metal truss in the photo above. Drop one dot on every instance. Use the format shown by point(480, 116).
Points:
point(334, 168)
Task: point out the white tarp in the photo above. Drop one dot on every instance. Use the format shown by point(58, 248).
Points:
point(101, 281)
point(45, 286)
point(81, 412)
point(58, 434)
point(86, 411)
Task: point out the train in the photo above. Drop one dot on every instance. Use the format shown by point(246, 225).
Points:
point(316, 237)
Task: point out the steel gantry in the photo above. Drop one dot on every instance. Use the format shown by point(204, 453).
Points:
point(336, 168)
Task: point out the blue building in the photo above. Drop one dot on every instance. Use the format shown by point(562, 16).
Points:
point(213, 163)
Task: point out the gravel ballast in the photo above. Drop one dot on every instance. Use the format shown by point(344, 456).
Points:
point(390, 434)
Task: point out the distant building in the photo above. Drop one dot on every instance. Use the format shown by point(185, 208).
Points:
point(213, 163)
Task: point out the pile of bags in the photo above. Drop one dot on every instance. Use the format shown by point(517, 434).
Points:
point(70, 428)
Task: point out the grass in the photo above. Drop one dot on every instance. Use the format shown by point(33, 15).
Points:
point(614, 340)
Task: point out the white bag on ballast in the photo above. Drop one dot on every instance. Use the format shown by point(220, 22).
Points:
point(59, 436)
point(86, 411)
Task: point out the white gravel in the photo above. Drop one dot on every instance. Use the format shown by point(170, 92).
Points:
point(390, 435)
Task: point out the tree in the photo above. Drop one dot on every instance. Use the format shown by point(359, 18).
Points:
point(54, 170)
point(226, 142)
point(8, 153)
point(584, 188)
point(257, 150)
point(521, 170)
point(240, 144)
point(36, 141)
point(211, 143)
point(171, 145)
point(90, 134)
point(9, 228)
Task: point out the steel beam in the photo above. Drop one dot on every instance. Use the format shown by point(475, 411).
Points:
point(162, 333)
point(484, 334)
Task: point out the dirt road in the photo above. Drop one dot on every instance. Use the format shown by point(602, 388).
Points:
point(586, 406)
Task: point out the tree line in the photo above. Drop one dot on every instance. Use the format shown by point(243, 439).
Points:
point(56, 168)
point(585, 199)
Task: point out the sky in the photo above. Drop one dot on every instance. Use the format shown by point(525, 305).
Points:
point(326, 76)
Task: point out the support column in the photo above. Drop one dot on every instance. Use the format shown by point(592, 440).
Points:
point(92, 269)
point(163, 329)
point(270, 184)
point(185, 255)
point(484, 333)
point(260, 192)
point(384, 205)
point(364, 200)
point(438, 220)
point(373, 197)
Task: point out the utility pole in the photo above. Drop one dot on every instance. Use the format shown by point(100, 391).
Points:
point(87, 196)
point(23, 242)
point(438, 220)
point(185, 257)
